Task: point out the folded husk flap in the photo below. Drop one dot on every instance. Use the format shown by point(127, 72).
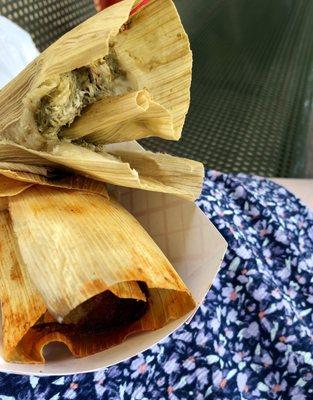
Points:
point(69, 273)
point(20, 177)
point(112, 79)
point(175, 175)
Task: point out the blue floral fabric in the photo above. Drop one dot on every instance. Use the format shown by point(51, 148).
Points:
point(253, 336)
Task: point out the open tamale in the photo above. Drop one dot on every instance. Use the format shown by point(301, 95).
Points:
point(117, 77)
point(77, 268)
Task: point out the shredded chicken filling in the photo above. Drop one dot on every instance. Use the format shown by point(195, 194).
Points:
point(76, 90)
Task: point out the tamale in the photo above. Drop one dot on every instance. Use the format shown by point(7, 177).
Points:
point(24, 312)
point(88, 234)
point(108, 55)
point(97, 282)
point(21, 303)
point(128, 74)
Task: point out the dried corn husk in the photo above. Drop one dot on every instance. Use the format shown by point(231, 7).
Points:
point(21, 303)
point(13, 153)
point(160, 77)
point(123, 118)
point(4, 203)
point(11, 187)
point(72, 182)
point(182, 177)
point(33, 169)
point(156, 169)
point(48, 224)
point(14, 182)
point(155, 52)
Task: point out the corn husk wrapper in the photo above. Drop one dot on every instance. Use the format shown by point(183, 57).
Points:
point(153, 49)
point(33, 169)
point(21, 304)
point(157, 168)
point(155, 52)
point(71, 182)
point(128, 117)
point(175, 175)
point(4, 203)
point(10, 187)
point(68, 268)
point(13, 181)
